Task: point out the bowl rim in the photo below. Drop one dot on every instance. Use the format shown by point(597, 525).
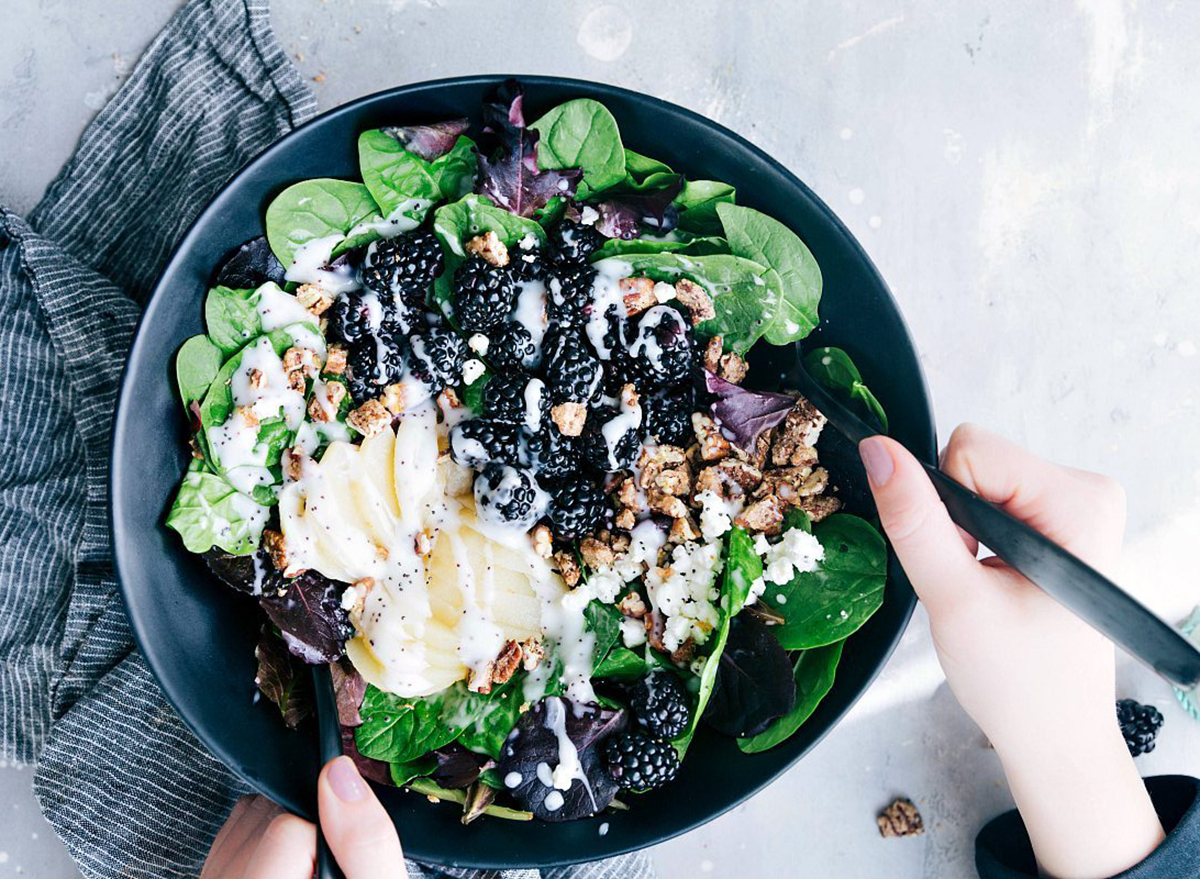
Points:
point(123, 415)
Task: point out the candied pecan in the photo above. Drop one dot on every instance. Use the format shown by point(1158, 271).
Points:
point(507, 663)
point(684, 653)
point(335, 360)
point(370, 418)
point(256, 378)
point(819, 506)
point(795, 438)
point(569, 418)
point(293, 463)
point(596, 553)
point(901, 818)
point(489, 247)
point(713, 445)
point(667, 505)
point(532, 651)
point(314, 298)
point(276, 548)
point(542, 545)
point(632, 605)
point(625, 519)
point(675, 481)
point(712, 353)
point(765, 515)
point(683, 530)
point(637, 294)
point(696, 300)
point(567, 566)
point(732, 368)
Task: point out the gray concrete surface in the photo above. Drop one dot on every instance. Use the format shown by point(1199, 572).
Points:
point(1025, 176)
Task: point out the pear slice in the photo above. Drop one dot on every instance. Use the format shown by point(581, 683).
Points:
point(415, 463)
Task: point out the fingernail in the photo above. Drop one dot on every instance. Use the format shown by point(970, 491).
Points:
point(344, 780)
point(877, 460)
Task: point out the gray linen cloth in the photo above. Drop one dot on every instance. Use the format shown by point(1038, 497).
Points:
point(129, 789)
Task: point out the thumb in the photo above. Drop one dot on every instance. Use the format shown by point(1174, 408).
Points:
point(359, 831)
point(927, 543)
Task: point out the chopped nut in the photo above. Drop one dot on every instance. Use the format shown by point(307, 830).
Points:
point(632, 605)
point(567, 566)
point(732, 368)
point(248, 416)
point(630, 496)
point(507, 663)
point(423, 543)
point(712, 353)
point(901, 818)
point(302, 360)
point(667, 505)
point(336, 392)
point(625, 519)
point(792, 484)
point(797, 435)
point(728, 479)
point(675, 481)
point(656, 627)
point(696, 300)
point(370, 418)
point(542, 544)
point(394, 398)
point(629, 395)
point(765, 515)
point(257, 378)
point(713, 445)
point(293, 463)
point(532, 651)
point(276, 548)
point(683, 530)
point(448, 399)
point(595, 553)
point(489, 247)
point(638, 294)
point(318, 408)
point(314, 298)
point(569, 417)
point(819, 506)
point(656, 459)
point(480, 679)
point(296, 381)
point(335, 359)
point(684, 653)
point(619, 543)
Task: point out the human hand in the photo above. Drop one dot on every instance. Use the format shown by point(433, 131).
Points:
point(261, 841)
point(1039, 681)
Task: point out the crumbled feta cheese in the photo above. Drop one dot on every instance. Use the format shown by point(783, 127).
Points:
point(349, 598)
point(472, 370)
point(478, 343)
point(797, 552)
point(761, 544)
point(589, 215)
point(757, 588)
point(633, 632)
point(716, 515)
point(686, 593)
point(605, 584)
point(527, 242)
point(663, 292)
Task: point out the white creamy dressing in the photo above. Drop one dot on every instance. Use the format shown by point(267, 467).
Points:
point(530, 312)
point(534, 389)
point(279, 309)
point(606, 298)
point(407, 216)
point(628, 418)
point(309, 265)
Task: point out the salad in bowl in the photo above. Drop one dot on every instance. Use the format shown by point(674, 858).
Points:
point(494, 432)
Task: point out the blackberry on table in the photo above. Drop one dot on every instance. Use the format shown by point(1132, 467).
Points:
point(639, 762)
point(404, 266)
point(572, 371)
point(516, 398)
point(483, 295)
point(480, 441)
point(574, 242)
point(661, 349)
point(511, 347)
point(661, 704)
point(569, 295)
point(667, 415)
point(553, 456)
point(609, 449)
point(1139, 725)
point(576, 508)
point(437, 357)
point(506, 495)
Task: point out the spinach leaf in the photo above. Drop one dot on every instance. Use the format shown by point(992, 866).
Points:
point(485, 719)
point(644, 174)
point(742, 568)
point(814, 672)
point(698, 203)
point(196, 365)
point(831, 603)
point(473, 215)
point(208, 512)
point(472, 394)
point(397, 177)
point(621, 663)
point(404, 772)
point(431, 788)
point(582, 134)
point(690, 245)
point(231, 317)
point(320, 210)
point(218, 402)
point(397, 730)
point(833, 368)
point(767, 241)
point(603, 621)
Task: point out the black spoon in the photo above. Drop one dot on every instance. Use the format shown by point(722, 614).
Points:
point(330, 746)
point(1075, 584)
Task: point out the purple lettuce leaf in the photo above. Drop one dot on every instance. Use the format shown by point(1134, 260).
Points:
point(457, 767)
point(626, 214)
point(250, 265)
point(348, 691)
point(429, 141)
point(508, 169)
point(534, 741)
point(754, 682)
point(743, 414)
point(310, 617)
point(281, 679)
point(372, 770)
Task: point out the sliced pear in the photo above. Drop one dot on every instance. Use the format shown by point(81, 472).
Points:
point(415, 463)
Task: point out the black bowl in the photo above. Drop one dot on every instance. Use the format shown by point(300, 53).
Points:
point(198, 637)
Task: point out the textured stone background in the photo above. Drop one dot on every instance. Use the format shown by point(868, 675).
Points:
point(1025, 176)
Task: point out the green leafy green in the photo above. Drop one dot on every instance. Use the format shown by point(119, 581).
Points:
point(472, 394)
point(621, 663)
point(320, 210)
point(231, 317)
point(833, 368)
point(742, 568)
point(396, 177)
point(485, 719)
point(472, 215)
point(698, 202)
point(431, 788)
point(603, 621)
point(208, 512)
point(218, 402)
point(399, 730)
point(690, 245)
point(196, 365)
point(831, 603)
point(814, 673)
point(755, 236)
point(582, 134)
point(403, 773)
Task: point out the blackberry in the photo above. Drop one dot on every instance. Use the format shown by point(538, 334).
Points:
point(572, 370)
point(638, 762)
point(574, 242)
point(553, 456)
point(509, 496)
point(526, 265)
point(661, 349)
point(480, 441)
point(511, 347)
point(569, 296)
point(667, 415)
point(483, 295)
point(609, 449)
point(661, 704)
point(1139, 725)
point(403, 266)
point(375, 361)
point(515, 398)
point(576, 508)
point(348, 318)
point(437, 357)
